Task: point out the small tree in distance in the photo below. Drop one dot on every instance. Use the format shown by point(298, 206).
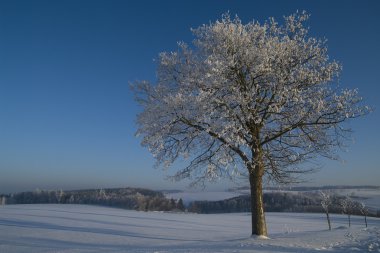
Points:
point(180, 205)
point(364, 211)
point(246, 100)
point(3, 200)
point(326, 203)
point(347, 208)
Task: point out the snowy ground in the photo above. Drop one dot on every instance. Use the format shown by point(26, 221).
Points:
point(80, 228)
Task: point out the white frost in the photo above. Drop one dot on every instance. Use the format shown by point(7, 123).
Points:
point(80, 228)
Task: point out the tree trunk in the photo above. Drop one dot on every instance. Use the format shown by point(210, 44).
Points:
point(349, 220)
point(256, 172)
point(328, 220)
point(365, 219)
point(259, 226)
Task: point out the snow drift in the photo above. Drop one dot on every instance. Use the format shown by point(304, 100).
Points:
point(81, 228)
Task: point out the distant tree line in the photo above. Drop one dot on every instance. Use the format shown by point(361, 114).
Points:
point(149, 200)
point(311, 188)
point(303, 202)
point(128, 198)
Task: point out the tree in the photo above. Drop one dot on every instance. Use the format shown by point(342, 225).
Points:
point(3, 200)
point(347, 208)
point(59, 194)
point(364, 211)
point(246, 100)
point(180, 205)
point(326, 203)
point(173, 204)
point(102, 194)
point(71, 199)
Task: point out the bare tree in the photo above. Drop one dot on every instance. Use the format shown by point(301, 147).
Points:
point(364, 211)
point(326, 203)
point(246, 100)
point(347, 208)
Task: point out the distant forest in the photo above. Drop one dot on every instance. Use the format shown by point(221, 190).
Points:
point(128, 198)
point(276, 201)
point(310, 188)
point(149, 200)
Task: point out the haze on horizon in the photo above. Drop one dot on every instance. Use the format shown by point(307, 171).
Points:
point(67, 115)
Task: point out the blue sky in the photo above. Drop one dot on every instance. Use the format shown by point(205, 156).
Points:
point(67, 116)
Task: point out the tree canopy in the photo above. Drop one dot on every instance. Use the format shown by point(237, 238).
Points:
point(212, 96)
point(246, 99)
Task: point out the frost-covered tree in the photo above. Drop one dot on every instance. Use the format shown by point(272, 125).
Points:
point(102, 194)
point(3, 200)
point(326, 202)
point(72, 199)
point(59, 194)
point(253, 100)
point(364, 211)
point(348, 207)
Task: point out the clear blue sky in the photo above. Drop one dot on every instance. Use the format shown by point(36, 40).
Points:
point(67, 116)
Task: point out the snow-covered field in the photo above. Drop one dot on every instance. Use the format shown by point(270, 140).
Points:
point(80, 228)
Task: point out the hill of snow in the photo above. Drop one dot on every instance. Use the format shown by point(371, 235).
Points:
point(80, 228)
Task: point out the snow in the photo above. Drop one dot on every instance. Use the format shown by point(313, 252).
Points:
point(81, 228)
